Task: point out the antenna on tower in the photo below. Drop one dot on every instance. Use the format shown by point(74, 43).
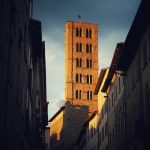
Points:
point(80, 19)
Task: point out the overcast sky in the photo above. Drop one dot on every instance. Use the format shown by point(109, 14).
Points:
point(114, 18)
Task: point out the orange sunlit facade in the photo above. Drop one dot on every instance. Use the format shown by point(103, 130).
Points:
point(81, 64)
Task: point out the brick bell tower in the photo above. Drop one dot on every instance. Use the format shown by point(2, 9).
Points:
point(81, 64)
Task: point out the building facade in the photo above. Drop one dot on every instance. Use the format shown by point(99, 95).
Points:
point(17, 104)
point(114, 88)
point(102, 129)
point(137, 78)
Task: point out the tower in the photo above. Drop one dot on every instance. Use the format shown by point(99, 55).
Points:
point(81, 64)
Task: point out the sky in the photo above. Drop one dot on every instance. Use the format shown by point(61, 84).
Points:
point(114, 18)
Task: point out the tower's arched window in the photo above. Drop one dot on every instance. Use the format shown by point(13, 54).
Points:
point(87, 48)
point(80, 32)
point(77, 78)
point(77, 62)
point(87, 63)
point(76, 94)
point(90, 63)
point(80, 78)
point(77, 32)
point(80, 94)
point(87, 34)
point(80, 62)
point(77, 47)
point(80, 47)
point(90, 48)
point(90, 33)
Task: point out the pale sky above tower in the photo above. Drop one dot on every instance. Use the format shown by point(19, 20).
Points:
point(114, 18)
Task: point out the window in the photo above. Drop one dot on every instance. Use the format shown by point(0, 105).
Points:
point(89, 95)
point(78, 94)
point(89, 63)
point(89, 79)
point(90, 48)
point(87, 34)
point(79, 78)
point(80, 47)
point(78, 32)
point(87, 48)
point(77, 47)
point(90, 33)
point(78, 62)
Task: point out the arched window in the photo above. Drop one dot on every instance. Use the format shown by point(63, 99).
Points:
point(77, 62)
point(90, 63)
point(87, 34)
point(90, 48)
point(77, 32)
point(87, 48)
point(80, 62)
point(90, 33)
point(80, 94)
point(87, 63)
point(80, 32)
point(80, 47)
point(77, 47)
point(87, 78)
point(77, 78)
point(76, 94)
point(90, 79)
point(80, 78)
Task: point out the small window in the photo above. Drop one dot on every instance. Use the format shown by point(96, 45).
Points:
point(80, 78)
point(90, 48)
point(87, 34)
point(80, 47)
point(77, 32)
point(87, 48)
point(89, 95)
point(80, 62)
point(80, 32)
point(90, 63)
point(78, 94)
point(77, 47)
point(77, 62)
point(90, 33)
point(77, 78)
point(89, 79)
